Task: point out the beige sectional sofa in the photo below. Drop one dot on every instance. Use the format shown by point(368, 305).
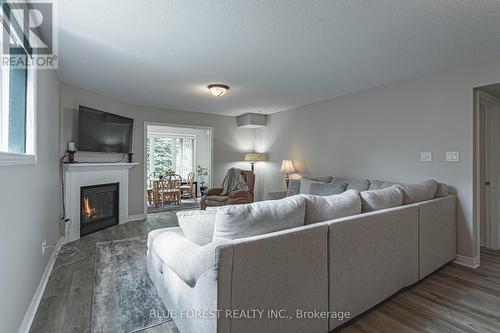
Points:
point(295, 276)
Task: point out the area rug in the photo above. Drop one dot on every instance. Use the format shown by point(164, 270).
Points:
point(186, 205)
point(123, 295)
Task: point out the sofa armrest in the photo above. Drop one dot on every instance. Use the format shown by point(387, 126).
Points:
point(240, 194)
point(276, 195)
point(371, 257)
point(437, 234)
point(186, 259)
point(214, 191)
point(286, 269)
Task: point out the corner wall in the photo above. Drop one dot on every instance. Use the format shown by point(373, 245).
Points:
point(29, 210)
point(379, 133)
point(230, 142)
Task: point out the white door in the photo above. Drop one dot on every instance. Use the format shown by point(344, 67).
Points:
point(490, 115)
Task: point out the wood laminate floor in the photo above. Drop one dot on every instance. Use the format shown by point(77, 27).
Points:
point(453, 299)
point(66, 302)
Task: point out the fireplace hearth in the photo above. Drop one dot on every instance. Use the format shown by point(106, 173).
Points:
point(99, 207)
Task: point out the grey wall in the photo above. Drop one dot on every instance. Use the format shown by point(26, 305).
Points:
point(230, 142)
point(29, 206)
point(378, 133)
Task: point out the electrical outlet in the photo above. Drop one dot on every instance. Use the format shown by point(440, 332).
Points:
point(44, 247)
point(426, 156)
point(452, 156)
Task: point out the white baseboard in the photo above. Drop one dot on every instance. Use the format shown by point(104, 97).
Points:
point(467, 261)
point(136, 217)
point(35, 301)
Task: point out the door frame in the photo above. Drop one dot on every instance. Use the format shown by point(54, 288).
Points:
point(144, 144)
point(479, 196)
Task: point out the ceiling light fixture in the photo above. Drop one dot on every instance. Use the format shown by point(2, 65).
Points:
point(218, 90)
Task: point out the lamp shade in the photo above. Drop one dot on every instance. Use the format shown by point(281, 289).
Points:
point(287, 167)
point(255, 157)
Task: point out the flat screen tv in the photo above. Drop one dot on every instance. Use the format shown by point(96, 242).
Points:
point(99, 131)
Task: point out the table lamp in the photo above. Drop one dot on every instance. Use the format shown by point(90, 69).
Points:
point(287, 169)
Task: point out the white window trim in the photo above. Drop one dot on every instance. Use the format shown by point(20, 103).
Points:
point(30, 157)
point(15, 159)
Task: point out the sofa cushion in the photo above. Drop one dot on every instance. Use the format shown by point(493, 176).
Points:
point(418, 192)
point(293, 187)
point(324, 189)
point(380, 184)
point(319, 209)
point(197, 225)
point(241, 221)
point(381, 199)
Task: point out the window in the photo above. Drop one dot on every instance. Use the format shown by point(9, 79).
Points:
point(17, 114)
point(167, 153)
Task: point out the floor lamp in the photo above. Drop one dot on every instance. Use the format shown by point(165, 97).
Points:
point(255, 157)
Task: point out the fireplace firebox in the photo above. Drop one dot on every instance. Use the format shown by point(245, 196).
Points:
point(98, 207)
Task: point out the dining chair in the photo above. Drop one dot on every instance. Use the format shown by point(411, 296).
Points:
point(174, 188)
point(160, 188)
point(150, 187)
point(188, 188)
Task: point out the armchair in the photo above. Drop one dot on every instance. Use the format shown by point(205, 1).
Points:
point(214, 197)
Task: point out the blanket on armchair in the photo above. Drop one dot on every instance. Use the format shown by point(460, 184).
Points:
point(233, 181)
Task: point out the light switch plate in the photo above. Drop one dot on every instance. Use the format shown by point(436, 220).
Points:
point(452, 156)
point(426, 156)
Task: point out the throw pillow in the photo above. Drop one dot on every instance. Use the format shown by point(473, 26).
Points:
point(354, 184)
point(294, 184)
point(326, 179)
point(241, 221)
point(198, 225)
point(324, 189)
point(358, 184)
point(320, 209)
point(380, 184)
point(381, 199)
point(293, 187)
point(305, 185)
point(442, 191)
point(413, 193)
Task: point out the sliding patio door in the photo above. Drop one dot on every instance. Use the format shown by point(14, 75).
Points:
point(168, 153)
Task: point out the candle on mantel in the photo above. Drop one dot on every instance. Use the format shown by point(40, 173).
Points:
point(71, 146)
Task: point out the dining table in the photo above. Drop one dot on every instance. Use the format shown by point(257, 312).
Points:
point(154, 198)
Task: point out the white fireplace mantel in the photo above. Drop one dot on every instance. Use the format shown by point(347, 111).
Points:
point(77, 175)
point(105, 165)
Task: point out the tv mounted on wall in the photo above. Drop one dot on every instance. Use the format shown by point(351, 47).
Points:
point(99, 131)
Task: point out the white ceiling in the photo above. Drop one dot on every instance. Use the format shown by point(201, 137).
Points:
point(275, 54)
